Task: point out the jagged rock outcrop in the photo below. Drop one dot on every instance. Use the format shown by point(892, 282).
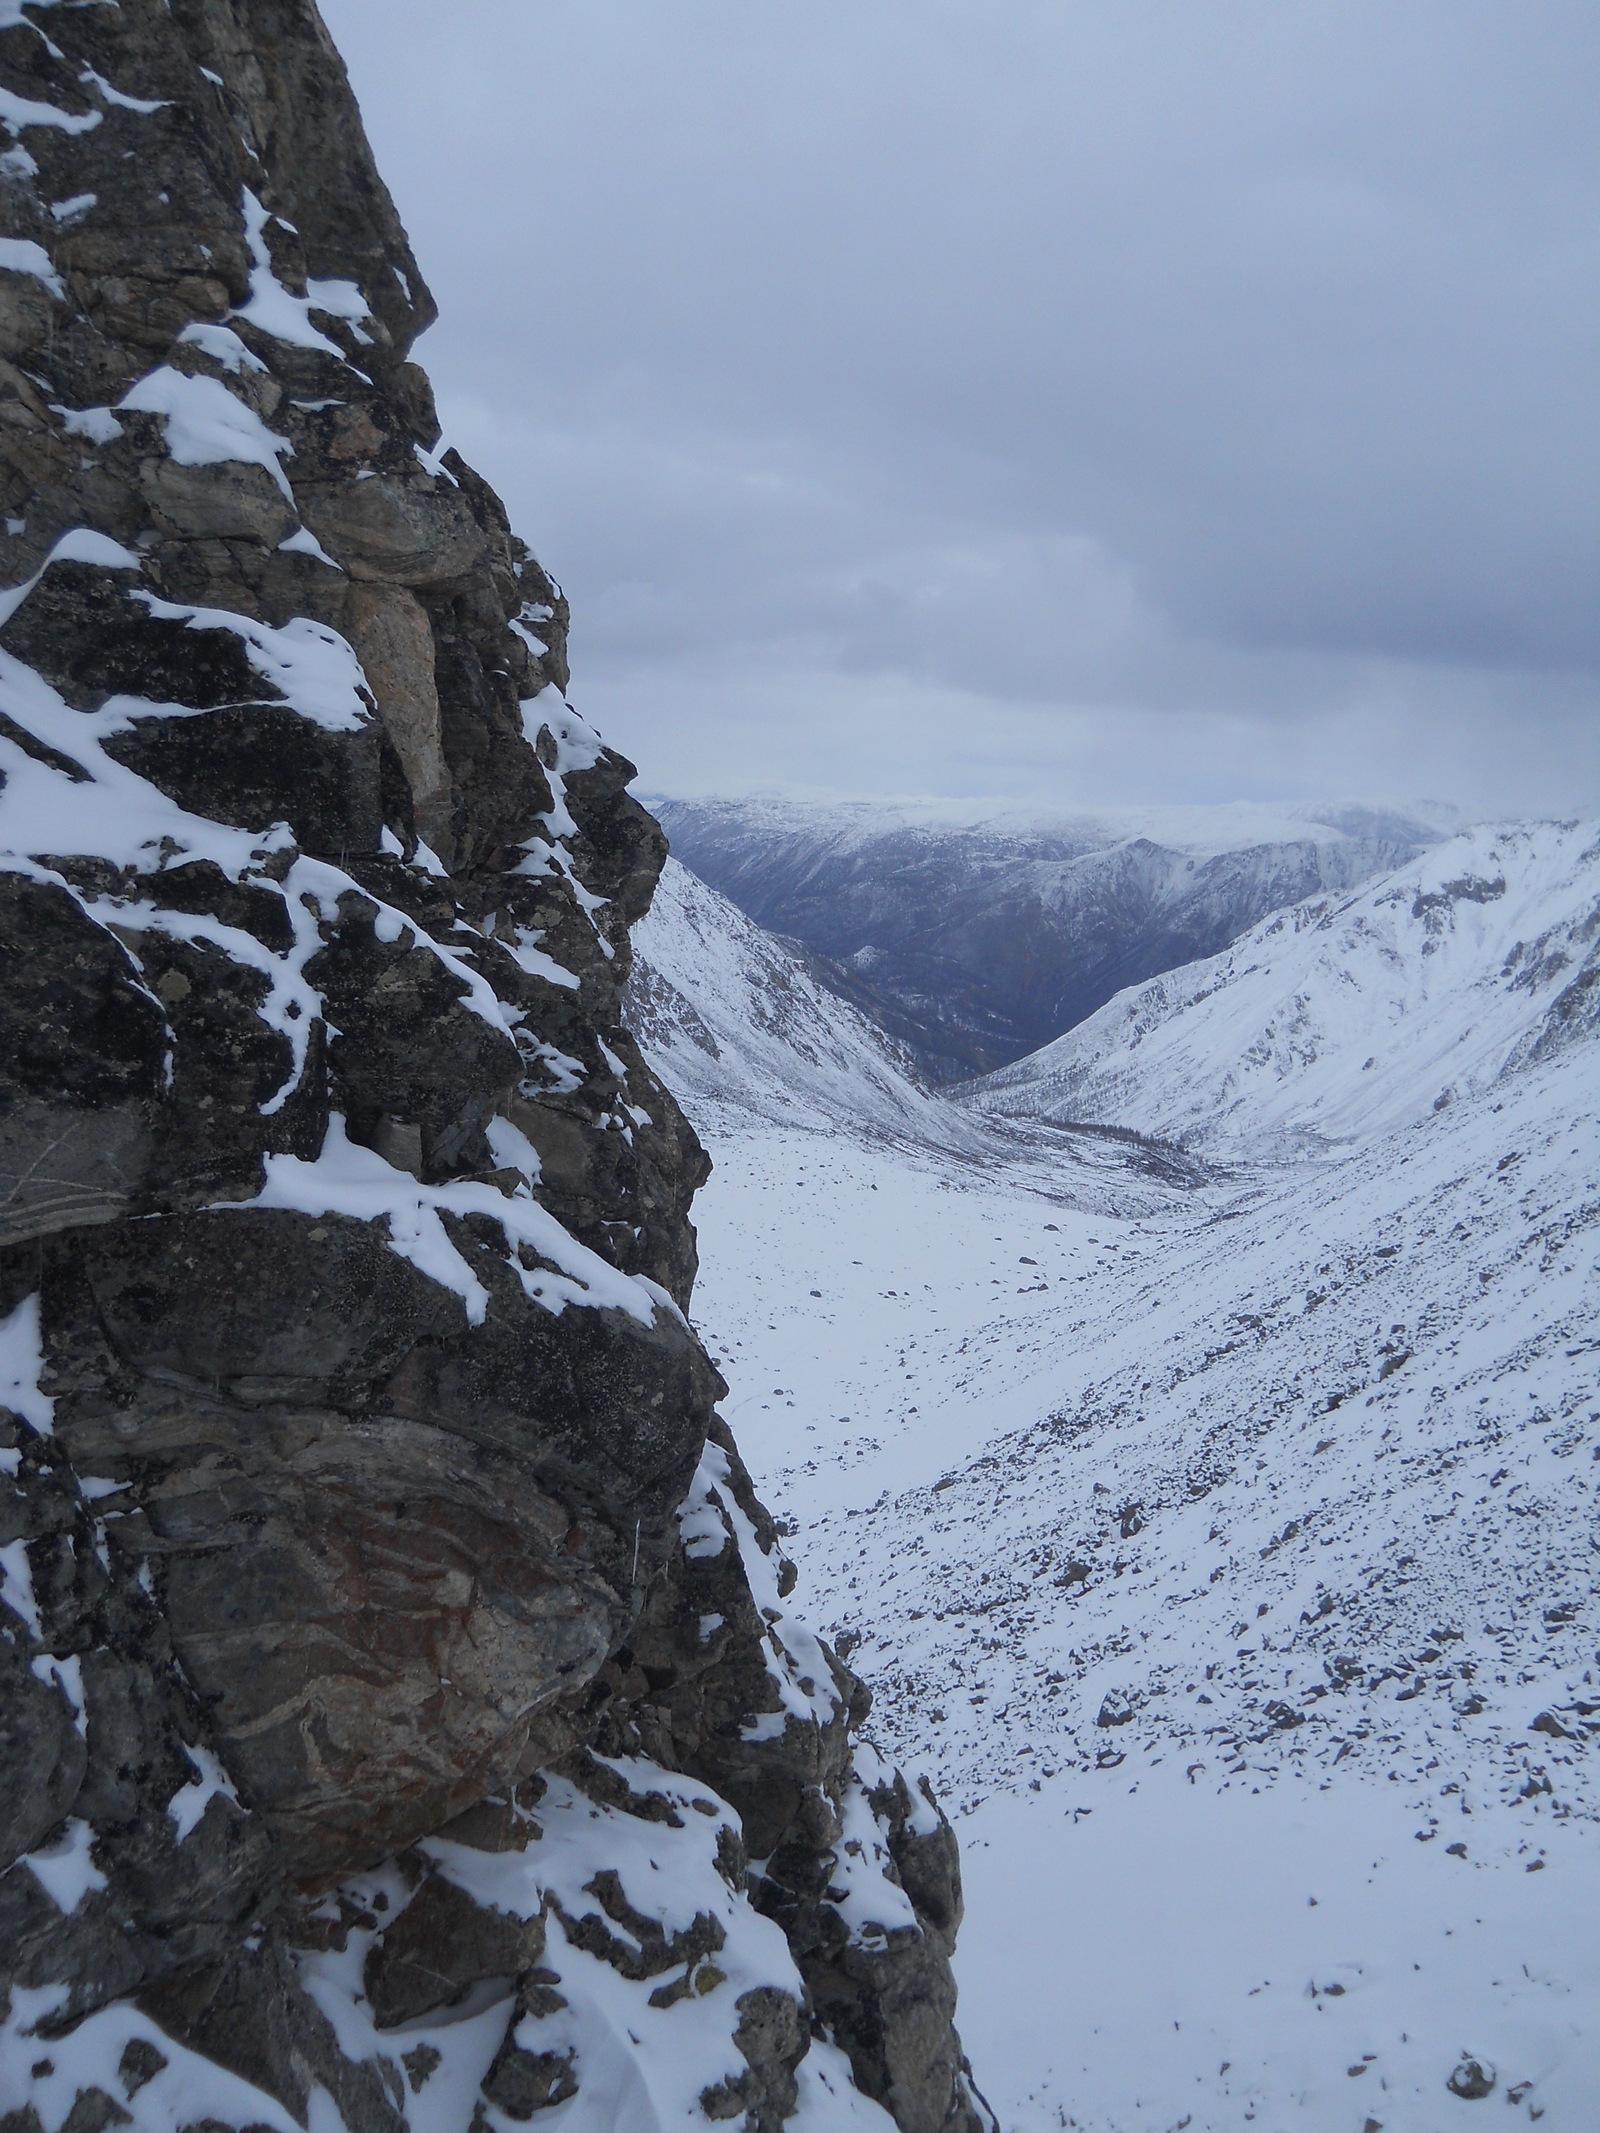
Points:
point(397, 1699)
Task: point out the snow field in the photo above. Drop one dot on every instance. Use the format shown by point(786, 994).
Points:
point(1218, 1545)
point(1151, 1956)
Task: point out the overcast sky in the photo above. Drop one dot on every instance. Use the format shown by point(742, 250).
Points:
point(1105, 400)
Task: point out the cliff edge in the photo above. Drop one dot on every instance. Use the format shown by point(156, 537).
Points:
point(401, 1722)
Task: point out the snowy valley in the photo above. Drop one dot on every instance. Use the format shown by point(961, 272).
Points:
point(476, 1653)
point(977, 933)
point(1193, 1432)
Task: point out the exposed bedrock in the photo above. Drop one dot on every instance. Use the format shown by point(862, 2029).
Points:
point(394, 1658)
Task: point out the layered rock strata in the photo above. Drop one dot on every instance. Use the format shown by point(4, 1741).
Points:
point(400, 1717)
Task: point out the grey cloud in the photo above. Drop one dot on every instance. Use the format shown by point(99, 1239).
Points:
point(991, 368)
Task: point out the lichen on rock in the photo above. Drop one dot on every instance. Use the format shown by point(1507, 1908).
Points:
point(363, 1508)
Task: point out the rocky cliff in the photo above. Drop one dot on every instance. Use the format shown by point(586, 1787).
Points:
point(400, 1717)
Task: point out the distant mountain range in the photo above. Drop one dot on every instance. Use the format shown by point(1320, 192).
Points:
point(976, 938)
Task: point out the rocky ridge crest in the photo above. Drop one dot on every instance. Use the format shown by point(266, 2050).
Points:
point(400, 1718)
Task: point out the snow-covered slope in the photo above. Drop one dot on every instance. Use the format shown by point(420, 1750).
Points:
point(1258, 1534)
point(734, 1018)
point(1346, 1015)
point(1226, 1541)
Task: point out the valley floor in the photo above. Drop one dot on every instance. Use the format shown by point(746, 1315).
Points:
point(1225, 1545)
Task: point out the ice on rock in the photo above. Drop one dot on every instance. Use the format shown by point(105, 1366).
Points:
point(222, 345)
point(110, 810)
point(523, 944)
point(307, 663)
point(16, 1585)
point(17, 113)
point(577, 747)
point(797, 1665)
point(98, 424)
point(339, 299)
point(79, 545)
point(108, 93)
point(662, 2056)
point(512, 1149)
point(66, 1674)
point(642, 2051)
point(349, 1180)
point(286, 317)
point(180, 2089)
point(65, 1869)
point(704, 1530)
point(860, 1890)
point(304, 542)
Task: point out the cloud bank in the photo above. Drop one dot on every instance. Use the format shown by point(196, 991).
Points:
point(1147, 402)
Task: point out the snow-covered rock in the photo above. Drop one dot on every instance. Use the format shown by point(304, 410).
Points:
point(376, 1752)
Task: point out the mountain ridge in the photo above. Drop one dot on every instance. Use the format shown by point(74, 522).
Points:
point(975, 936)
point(1326, 1020)
point(757, 1022)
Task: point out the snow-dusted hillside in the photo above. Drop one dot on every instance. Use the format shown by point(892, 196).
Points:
point(1227, 1539)
point(734, 1017)
point(1346, 1015)
point(978, 934)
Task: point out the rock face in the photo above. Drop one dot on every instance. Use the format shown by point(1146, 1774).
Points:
point(398, 1708)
